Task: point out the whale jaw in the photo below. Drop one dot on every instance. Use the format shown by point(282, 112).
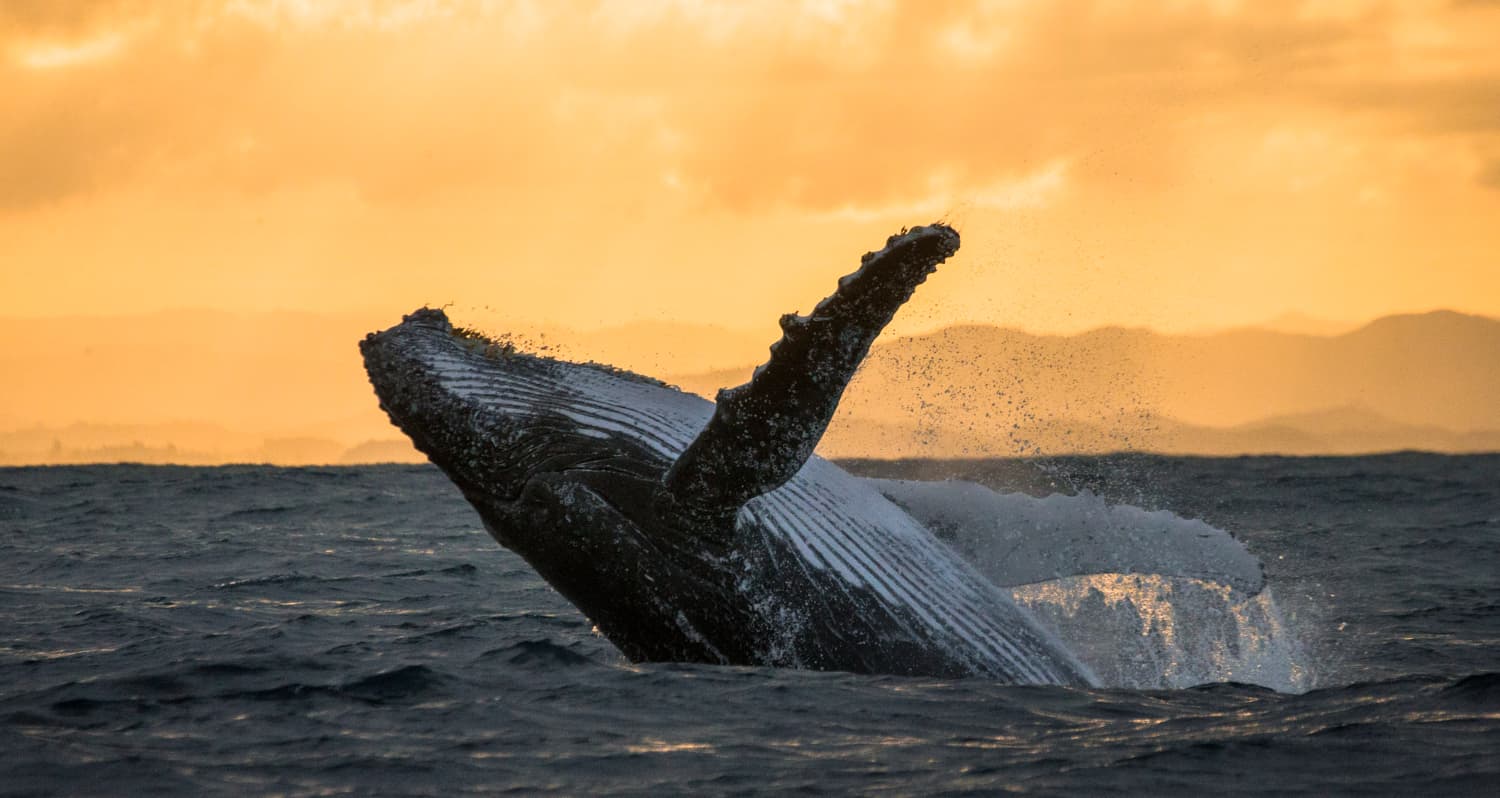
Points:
point(561, 480)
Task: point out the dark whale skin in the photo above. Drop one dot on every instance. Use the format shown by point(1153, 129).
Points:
point(772, 558)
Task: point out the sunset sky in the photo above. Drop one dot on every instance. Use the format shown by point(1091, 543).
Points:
point(1182, 165)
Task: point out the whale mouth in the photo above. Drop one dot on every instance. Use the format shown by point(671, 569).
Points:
point(493, 417)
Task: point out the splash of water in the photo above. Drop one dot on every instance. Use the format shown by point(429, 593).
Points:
point(1146, 599)
point(1149, 631)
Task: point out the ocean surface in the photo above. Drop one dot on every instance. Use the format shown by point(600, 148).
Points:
point(327, 631)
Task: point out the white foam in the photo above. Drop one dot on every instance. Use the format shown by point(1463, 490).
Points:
point(1147, 631)
point(1147, 599)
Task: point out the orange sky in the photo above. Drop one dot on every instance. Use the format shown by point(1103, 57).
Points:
point(1175, 164)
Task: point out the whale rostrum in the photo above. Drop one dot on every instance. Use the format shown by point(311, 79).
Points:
point(709, 532)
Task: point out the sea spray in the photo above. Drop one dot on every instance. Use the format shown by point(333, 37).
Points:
point(1146, 599)
point(1148, 631)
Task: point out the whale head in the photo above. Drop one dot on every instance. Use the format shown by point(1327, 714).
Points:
point(563, 462)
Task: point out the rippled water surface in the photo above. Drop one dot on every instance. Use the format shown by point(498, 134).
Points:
point(247, 630)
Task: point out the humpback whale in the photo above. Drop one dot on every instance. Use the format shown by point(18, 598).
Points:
point(697, 531)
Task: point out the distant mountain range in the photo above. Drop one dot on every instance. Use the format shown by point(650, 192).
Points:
point(1298, 324)
point(1427, 381)
point(289, 388)
point(1304, 434)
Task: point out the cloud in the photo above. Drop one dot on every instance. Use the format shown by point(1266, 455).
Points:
point(35, 18)
point(1489, 175)
point(811, 105)
point(1037, 189)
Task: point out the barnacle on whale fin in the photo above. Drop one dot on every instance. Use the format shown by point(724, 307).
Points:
point(762, 432)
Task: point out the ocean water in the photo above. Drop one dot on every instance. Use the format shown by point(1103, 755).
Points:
point(327, 631)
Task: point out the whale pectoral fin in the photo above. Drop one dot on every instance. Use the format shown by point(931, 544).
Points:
point(1015, 539)
point(762, 432)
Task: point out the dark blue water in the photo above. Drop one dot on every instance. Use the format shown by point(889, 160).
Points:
point(241, 631)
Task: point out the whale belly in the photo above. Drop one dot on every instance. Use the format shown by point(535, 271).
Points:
point(850, 537)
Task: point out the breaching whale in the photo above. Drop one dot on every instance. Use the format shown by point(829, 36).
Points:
point(697, 531)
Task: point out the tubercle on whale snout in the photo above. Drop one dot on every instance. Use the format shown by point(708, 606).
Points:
point(463, 444)
point(481, 443)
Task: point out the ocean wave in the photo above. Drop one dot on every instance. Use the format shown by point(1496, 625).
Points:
point(539, 653)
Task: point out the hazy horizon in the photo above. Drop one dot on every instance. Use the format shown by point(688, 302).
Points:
point(1294, 322)
point(230, 387)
